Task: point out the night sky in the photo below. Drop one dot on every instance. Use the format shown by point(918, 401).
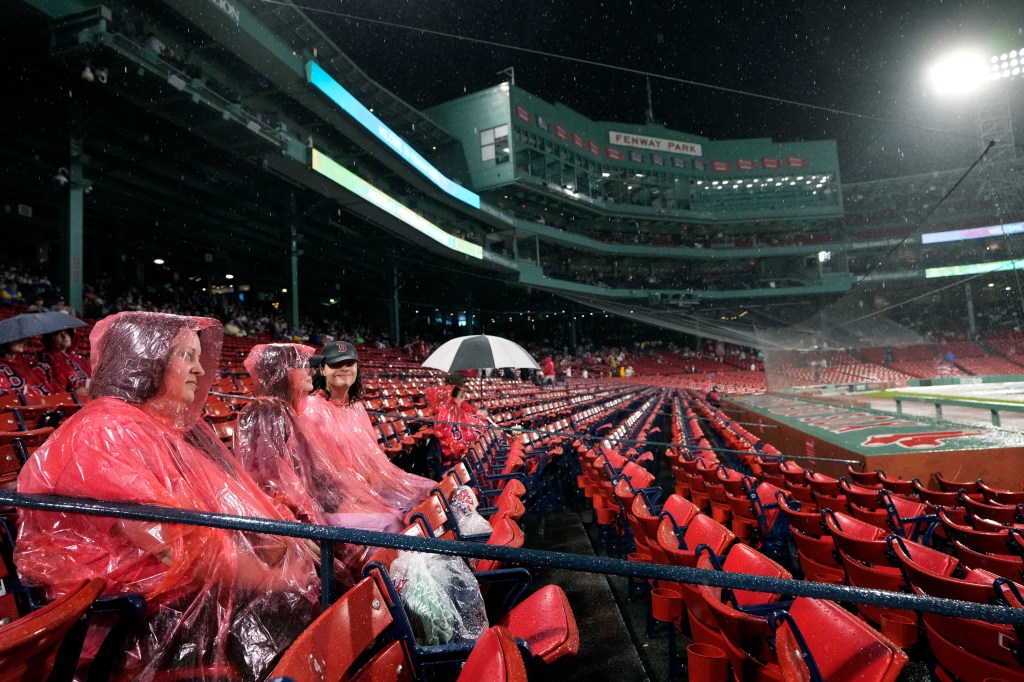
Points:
point(866, 57)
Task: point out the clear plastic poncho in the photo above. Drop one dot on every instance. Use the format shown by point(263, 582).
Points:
point(268, 441)
point(350, 442)
point(274, 448)
point(217, 600)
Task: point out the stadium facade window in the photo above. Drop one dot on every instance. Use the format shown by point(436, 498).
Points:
point(494, 144)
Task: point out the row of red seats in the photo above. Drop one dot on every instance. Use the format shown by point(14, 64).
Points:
point(857, 548)
point(720, 621)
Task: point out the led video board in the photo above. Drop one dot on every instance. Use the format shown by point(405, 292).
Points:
point(972, 233)
point(975, 268)
point(323, 81)
point(334, 171)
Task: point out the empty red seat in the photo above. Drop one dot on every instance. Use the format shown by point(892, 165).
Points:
point(807, 522)
point(867, 479)
point(329, 647)
point(494, 658)
point(740, 559)
point(982, 541)
point(29, 645)
point(952, 485)
point(545, 620)
point(999, 496)
point(820, 635)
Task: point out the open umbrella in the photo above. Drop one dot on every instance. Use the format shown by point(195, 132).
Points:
point(479, 352)
point(27, 325)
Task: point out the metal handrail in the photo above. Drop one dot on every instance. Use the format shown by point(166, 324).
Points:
point(328, 535)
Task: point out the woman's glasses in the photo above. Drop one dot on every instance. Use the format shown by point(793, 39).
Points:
point(187, 355)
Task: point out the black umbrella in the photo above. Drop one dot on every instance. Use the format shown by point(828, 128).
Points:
point(27, 325)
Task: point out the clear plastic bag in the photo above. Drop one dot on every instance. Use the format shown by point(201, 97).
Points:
point(463, 505)
point(441, 596)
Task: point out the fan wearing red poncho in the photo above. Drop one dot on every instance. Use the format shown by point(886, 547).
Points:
point(288, 462)
point(456, 417)
point(220, 603)
point(338, 418)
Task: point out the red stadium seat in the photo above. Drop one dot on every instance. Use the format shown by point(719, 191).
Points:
point(1003, 514)
point(897, 486)
point(865, 496)
point(29, 646)
point(807, 522)
point(495, 658)
point(868, 479)
point(936, 498)
point(982, 541)
point(740, 559)
point(545, 620)
point(340, 643)
point(909, 519)
point(12, 426)
point(819, 640)
point(817, 554)
point(951, 486)
point(702, 530)
point(858, 539)
point(998, 496)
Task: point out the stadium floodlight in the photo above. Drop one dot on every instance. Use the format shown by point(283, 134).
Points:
point(1007, 64)
point(158, 261)
point(959, 72)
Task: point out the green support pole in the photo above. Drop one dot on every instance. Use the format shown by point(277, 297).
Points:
point(74, 241)
point(293, 312)
point(393, 290)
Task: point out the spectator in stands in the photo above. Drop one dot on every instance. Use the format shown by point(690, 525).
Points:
point(548, 370)
point(233, 328)
point(66, 370)
point(336, 416)
point(61, 306)
point(713, 398)
point(215, 598)
point(288, 465)
point(457, 417)
point(10, 293)
point(22, 371)
point(38, 306)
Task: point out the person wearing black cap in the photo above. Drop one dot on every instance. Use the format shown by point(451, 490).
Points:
point(338, 372)
point(336, 414)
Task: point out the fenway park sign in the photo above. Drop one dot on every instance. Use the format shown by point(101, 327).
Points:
point(658, 144)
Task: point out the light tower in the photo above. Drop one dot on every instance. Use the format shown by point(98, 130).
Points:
point(967, 72)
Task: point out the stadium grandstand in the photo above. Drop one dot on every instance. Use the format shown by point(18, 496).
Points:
point(769, 428)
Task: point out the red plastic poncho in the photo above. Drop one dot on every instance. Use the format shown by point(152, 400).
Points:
point(286, 460)
point(352, 443)
point(454, 439)
point(329, 436)
point(267, 441)
point(216, 598)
